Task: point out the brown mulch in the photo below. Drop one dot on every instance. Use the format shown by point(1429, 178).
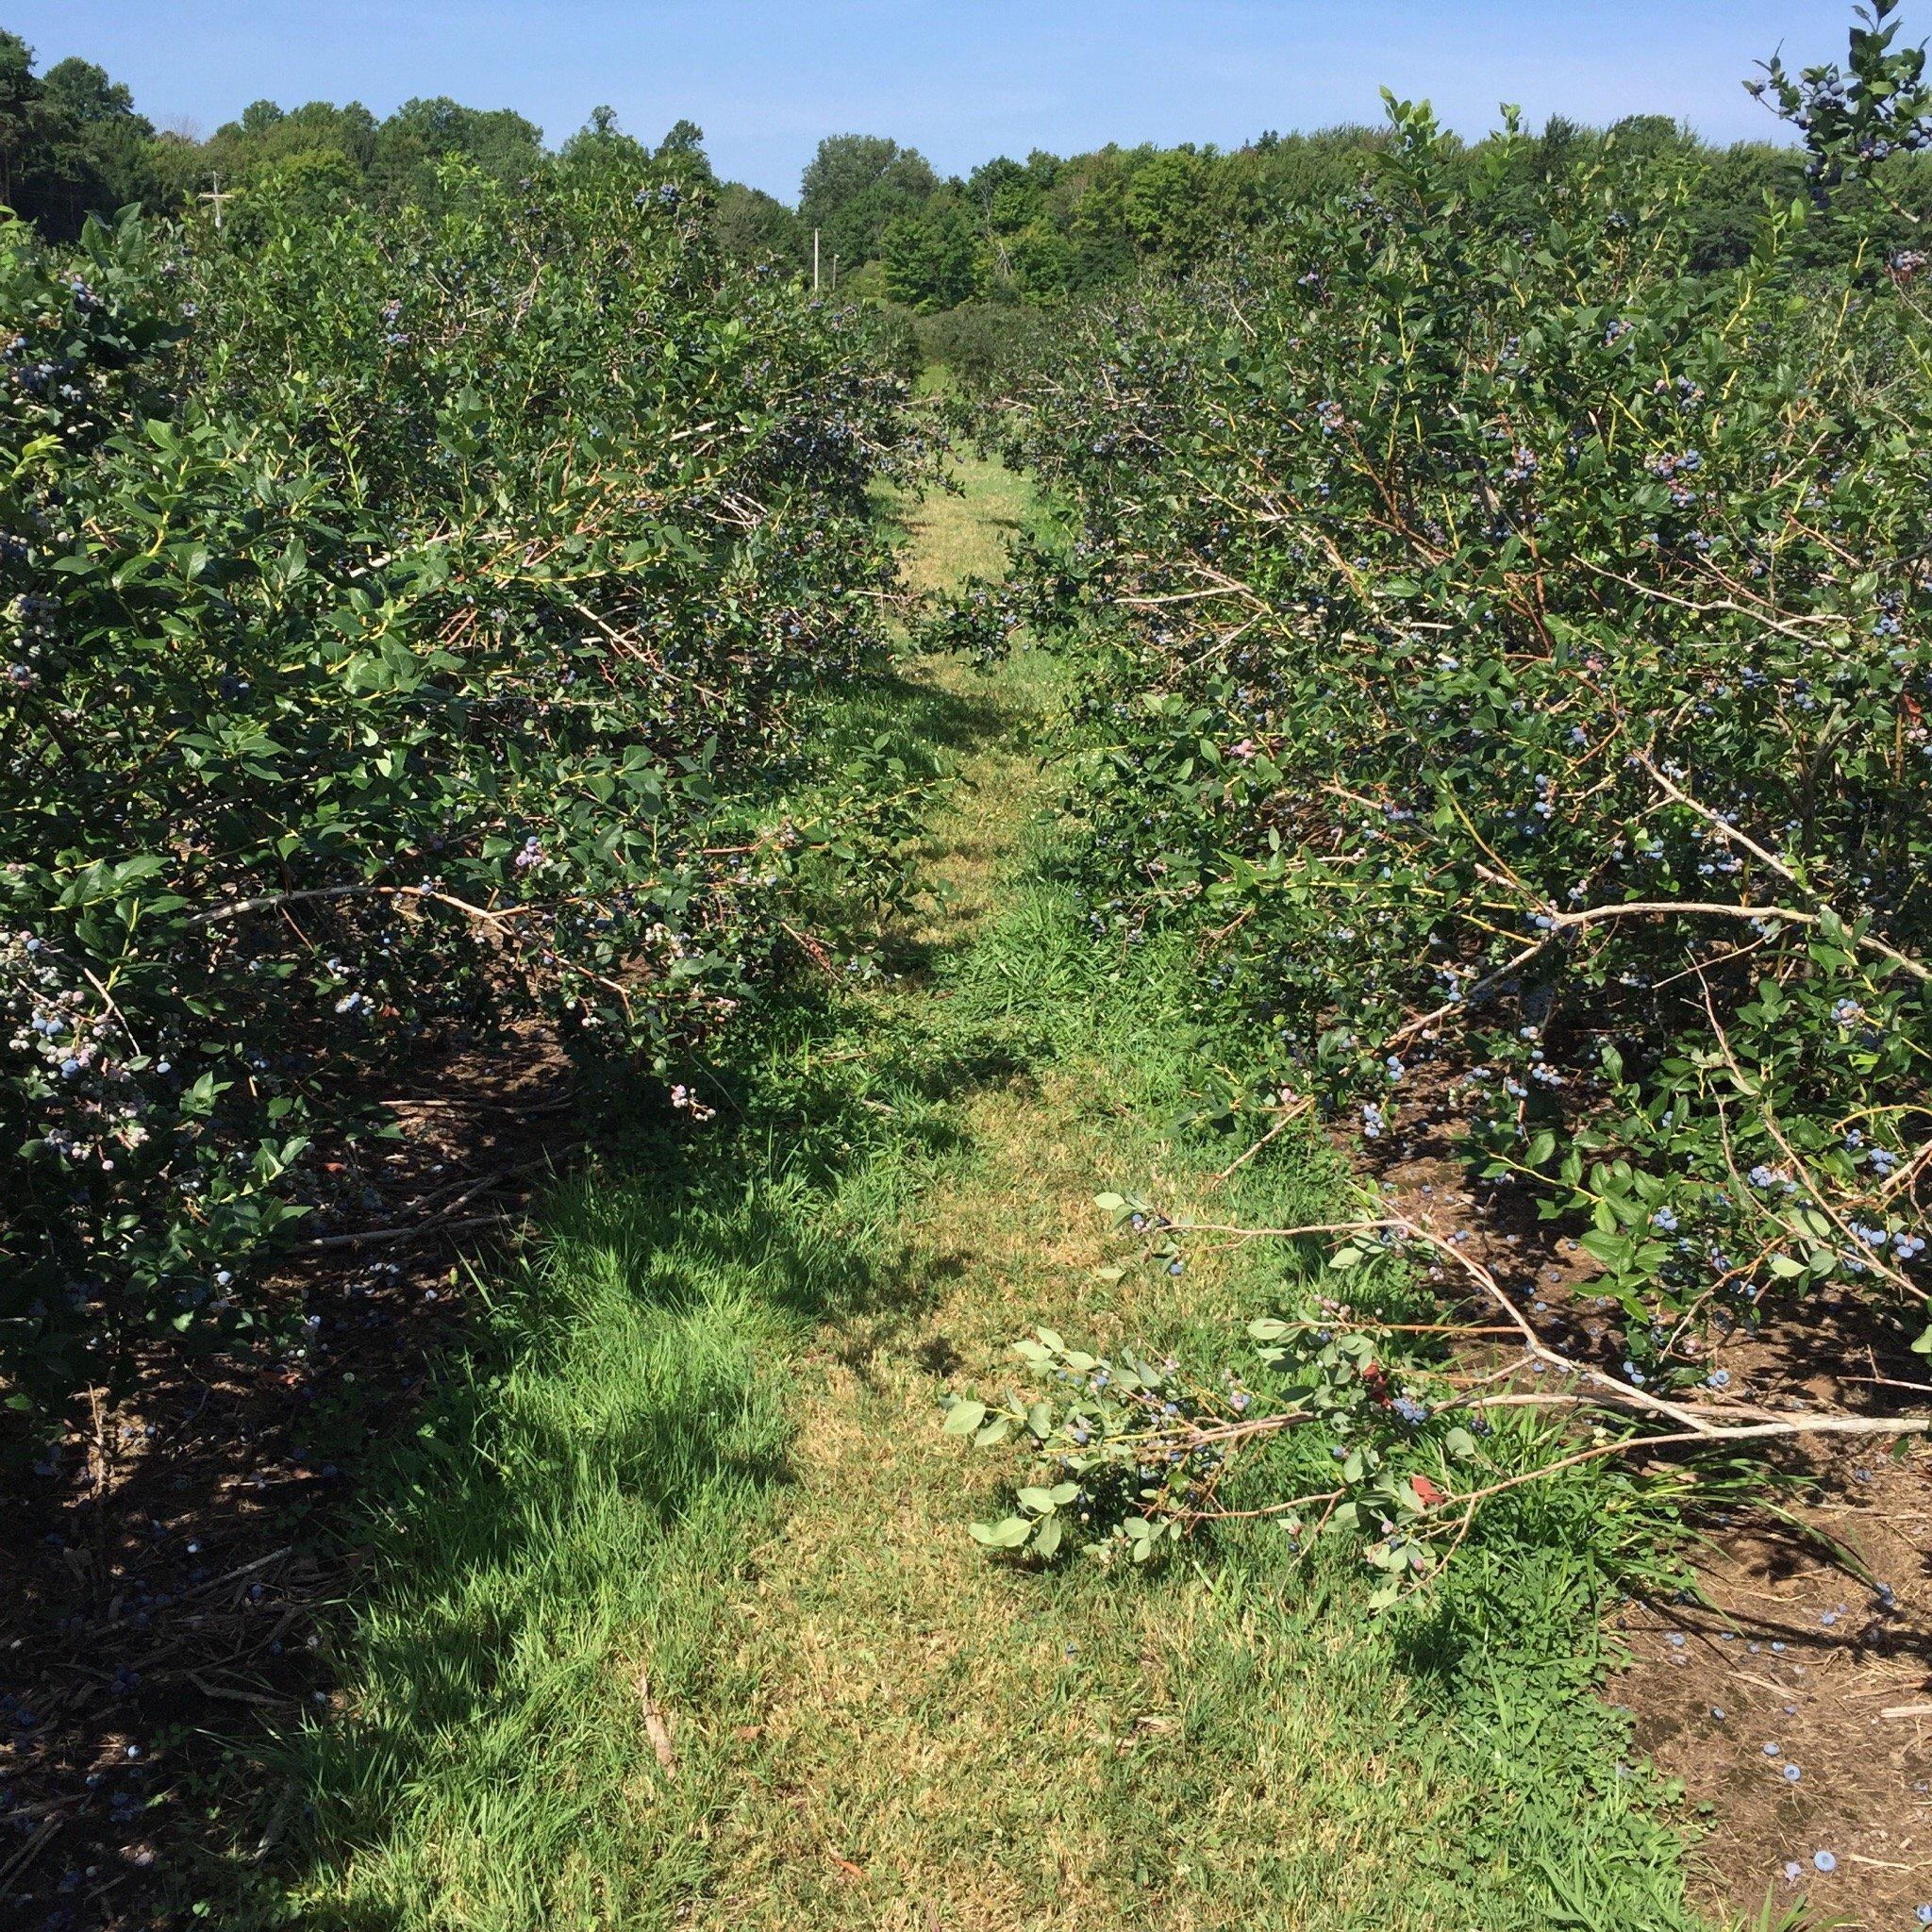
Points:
point(1798, 1662)
point(172, 1558)
point(1815, 1634)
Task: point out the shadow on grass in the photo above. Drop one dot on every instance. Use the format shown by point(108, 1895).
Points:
point(600, 1452)
point(933, 715)
point(549, 1555)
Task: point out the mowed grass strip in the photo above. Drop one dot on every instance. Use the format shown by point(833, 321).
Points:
point(678, 1624)
point(1230, 1742)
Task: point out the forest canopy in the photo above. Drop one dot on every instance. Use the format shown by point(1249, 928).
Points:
point(890, 225)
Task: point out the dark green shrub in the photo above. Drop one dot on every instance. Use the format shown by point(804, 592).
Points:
point(407, 621)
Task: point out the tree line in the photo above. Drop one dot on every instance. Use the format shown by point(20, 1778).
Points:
point(890, 226)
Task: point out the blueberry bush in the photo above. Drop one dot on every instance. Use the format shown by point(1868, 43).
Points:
point(1512, 671)
point(413, 628)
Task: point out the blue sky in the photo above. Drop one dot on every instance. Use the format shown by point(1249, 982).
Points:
point(765, 79)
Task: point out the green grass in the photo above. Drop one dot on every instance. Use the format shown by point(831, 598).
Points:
point(696, 1447)
point(964, 531)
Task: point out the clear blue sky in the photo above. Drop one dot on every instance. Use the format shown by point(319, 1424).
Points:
point(961, 81)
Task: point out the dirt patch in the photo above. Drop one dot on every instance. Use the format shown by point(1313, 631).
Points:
point(1815, 1634)
point(1796, 1703)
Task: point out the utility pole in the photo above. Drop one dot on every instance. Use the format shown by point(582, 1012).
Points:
point(835, 274)
point(814, 261)
point(217, 198)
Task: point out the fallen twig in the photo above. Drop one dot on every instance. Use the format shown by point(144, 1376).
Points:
point(1702, 1422)
point(436, 1223)
point(655, 1727)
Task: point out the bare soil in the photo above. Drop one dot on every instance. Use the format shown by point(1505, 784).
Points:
point(1813, 1634)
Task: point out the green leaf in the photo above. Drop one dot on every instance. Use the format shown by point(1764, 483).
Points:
point(962, 1418)
point(1007, 1534)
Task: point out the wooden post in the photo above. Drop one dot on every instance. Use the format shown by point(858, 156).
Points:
point(217, 198)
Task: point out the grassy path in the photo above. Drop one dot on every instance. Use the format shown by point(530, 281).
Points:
point(695, 1636)
point(939, 1752)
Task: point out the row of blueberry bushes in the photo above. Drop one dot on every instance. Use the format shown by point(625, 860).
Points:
point(1513, 667)
point(411, 626)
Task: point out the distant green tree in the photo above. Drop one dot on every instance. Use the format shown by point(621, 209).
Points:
point(1558, 145)
point(102, 143)
point(422, 133)
point(310, 184)
point(753, 226)
point(684, 141)
point(71, 143)
point(20, 96)
point(1651, 134)
point(927, 256)
point(1039, 231)
point(681, 155)
point(600, 142)
point(179, 166)
point(82, 92)
point(1014, 205)
point(1170, 206)
point(266, 136)
point(1040, 263)
point(1102, 247)
point(855, 187)
point(1727, 199)
point(1311, 168)
point(1003, 187)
